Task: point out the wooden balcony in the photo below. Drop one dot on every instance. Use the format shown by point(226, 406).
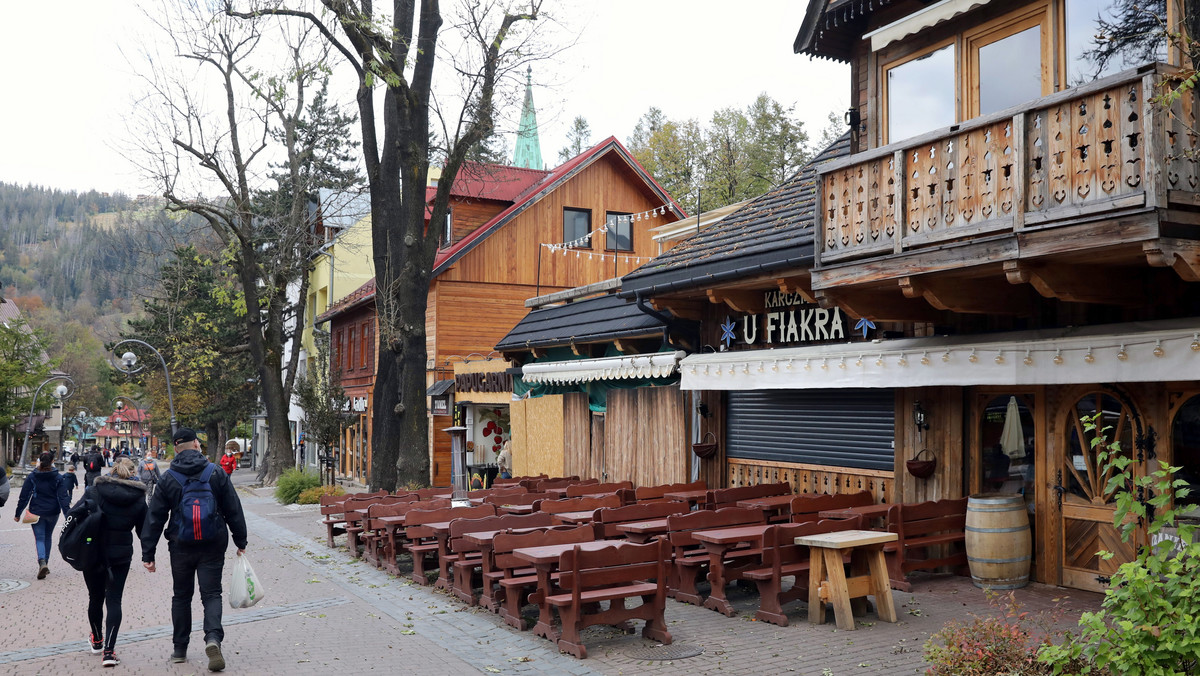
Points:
point(1096, 175)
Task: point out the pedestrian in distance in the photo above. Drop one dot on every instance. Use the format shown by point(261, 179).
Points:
point(93, 464)
point(197, 504)
point(5, 486)
point(122, 501)
point(74, 458)
point(148, 474)
point(504, 460)
point(45, 494)
point(70, 480)
point(229, 460)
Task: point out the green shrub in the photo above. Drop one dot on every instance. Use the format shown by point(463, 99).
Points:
point(312, 496)
point(1150, 620)
point(293, 482)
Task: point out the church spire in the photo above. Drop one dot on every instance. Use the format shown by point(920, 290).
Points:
point(528, 152)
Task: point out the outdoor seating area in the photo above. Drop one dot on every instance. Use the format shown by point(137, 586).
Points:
point(609, 553)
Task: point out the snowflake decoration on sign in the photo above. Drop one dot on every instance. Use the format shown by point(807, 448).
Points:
point(727, 336)
point(864, 324)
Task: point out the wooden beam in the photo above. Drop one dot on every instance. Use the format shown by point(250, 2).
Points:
point(537, 352)
point(879, 306)
point(680, 308)
point(801, 284)
point(978, 296)
point(1078, 283)
point(750, 302)
point(1180, 254)
point(571, 294)
point(625, 346)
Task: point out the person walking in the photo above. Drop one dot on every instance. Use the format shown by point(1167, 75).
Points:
point(5, 486)
point(229, 460)
point(74, 458)
point(45, 494)
point(148, 474)
point(70, 480)
point(504, 460)
point(93, 464)
point(198, 505)
point(122, 501)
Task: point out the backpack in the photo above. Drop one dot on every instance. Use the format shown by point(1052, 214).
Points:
point(196, 517)
point(81, 541)
point(94, 463)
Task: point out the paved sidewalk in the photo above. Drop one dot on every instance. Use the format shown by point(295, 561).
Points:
point(325, 612)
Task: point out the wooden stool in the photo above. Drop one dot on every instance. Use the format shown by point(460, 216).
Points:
point(827, 579)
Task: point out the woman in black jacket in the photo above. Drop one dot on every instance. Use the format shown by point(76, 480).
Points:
point(122, 499)
point(45, 495)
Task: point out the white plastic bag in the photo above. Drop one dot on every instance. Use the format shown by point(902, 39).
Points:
point(244, 590)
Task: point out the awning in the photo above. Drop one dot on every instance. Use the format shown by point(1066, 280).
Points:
point(1142, 352)
point(919, 21)
point(657, 365)
point(440, 387)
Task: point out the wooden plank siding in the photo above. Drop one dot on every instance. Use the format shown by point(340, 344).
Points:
point(646, 437)
point(468, 213)
point(577, 437)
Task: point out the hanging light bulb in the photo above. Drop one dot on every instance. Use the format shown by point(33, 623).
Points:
point(925, 358)
point(807, 365)
point(718, 370)
point(760, 367)
point(774, 365)
point(589, 256)
point(1089, 357)
point(746, 368)
point(973, 358)
point(1058, 358)
point(1158, 349)
point(706, 369)
point(946, 357)
point(1196, 342)
point(1122, 355)
point(879, 360)
point(858, 362)
point(1000, 357)
point(903, 360)
point(842, 363)
point(789, 364)
point(1028, 358)
point(577, 254)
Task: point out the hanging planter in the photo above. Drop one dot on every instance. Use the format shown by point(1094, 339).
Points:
point(705, 449)
point(922, 469)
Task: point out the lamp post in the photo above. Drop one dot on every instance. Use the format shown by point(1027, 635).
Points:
point(81, 427)
point(62, 393)
point(128, 366)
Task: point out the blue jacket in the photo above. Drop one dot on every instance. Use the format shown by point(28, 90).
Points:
point(50, 497)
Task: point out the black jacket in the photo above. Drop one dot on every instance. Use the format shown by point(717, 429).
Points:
point(123, 502)
point(168, 494)
point(44, 493)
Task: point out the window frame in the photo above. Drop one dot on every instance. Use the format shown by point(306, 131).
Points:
point(884, 94)
point(350, 348)
point(608, 235)
point(998, 29)
point(362, 347)
point(588, 228)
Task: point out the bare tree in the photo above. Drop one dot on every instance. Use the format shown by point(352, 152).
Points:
point(397, 52)
point(248, 163)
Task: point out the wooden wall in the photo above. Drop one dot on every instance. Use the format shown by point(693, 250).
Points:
point(646, 436)
point(468, 213)
point(510, 255)
point(945, 411)
point(577, 435)
point(465, 318)
point(537, 433)
point(712, 470)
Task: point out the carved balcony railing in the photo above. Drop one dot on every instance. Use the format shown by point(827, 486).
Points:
point(1097, 148)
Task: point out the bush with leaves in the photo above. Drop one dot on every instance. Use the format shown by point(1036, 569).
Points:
point(1149, 623)
point(312, 496)
point(292, 483)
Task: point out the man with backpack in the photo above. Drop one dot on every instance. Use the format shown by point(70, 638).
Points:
point(93, 464)
point(148, 474)
point(200, 509)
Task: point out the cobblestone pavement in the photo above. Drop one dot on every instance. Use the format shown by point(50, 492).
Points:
point(325, 612)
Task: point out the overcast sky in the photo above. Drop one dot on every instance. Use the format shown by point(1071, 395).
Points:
point(67, 99)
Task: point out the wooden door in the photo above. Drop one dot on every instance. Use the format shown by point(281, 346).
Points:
point(1087, 508)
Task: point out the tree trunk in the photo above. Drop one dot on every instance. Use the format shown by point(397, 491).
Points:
point(214, 450)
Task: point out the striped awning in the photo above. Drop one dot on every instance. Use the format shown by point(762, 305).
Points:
point(657, 365)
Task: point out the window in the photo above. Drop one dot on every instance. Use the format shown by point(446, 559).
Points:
point(1009, 71)
point(362, 350)
point(577, 225)
point(620, 231)
point(350, 350)
point(920, 93)
point(448, 232)
point(1103, 39)
point(339, 346)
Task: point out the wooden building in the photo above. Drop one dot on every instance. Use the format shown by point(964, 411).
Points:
point(1008, 239)
point(352, 364)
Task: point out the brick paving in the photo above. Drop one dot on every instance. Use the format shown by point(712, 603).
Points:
point(325, 611)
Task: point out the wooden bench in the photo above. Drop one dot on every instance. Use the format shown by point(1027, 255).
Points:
point(374, 535)
point(612, 574)
point(516, 576)
point(513, 489)
point(333, 509)
point(782, 557)
point(422, 540)
point(579, 490)
point(433, 493)
point(354, 518)
point(516, 480)
point(689, 556)
point(393, 535)
point(935, 531)
point(578, 504)
point(806, 506)
point(466, 556)
point(561, 482)
point(646, 493)
point(607, 520)
point(721, 498)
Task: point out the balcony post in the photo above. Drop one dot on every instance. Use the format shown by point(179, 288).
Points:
point(818, 219)
point(1154, 136)
point(1019, 170)
point(900, 171)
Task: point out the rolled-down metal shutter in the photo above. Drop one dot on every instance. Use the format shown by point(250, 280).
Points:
point(841, 428)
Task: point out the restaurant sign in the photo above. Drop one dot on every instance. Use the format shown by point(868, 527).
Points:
point(483, 382)
point(786, 320)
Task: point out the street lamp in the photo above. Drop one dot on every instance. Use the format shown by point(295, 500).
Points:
point(81, 427)
point(128, 366)
point(62, 393)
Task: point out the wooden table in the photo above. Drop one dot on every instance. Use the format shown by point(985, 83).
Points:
point(441, 532)
point(718, 542)
point(514, 509)
point(545, 562)
point(827, 579)
point(690, 497)
point(780, 505)
point(577, 518)
point(391, 526)
point(484, 540)
point(644, 531)
point(867, 512)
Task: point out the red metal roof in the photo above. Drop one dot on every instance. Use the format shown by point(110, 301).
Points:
point(357, 297)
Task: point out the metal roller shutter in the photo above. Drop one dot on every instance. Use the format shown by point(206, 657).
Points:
point(842, 428)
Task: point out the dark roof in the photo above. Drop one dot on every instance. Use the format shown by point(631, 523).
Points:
point(771, 233)
point(440, 387)
point(830, 28)
point(590, 320)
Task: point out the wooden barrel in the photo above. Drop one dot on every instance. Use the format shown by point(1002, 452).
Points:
point(998, 540)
